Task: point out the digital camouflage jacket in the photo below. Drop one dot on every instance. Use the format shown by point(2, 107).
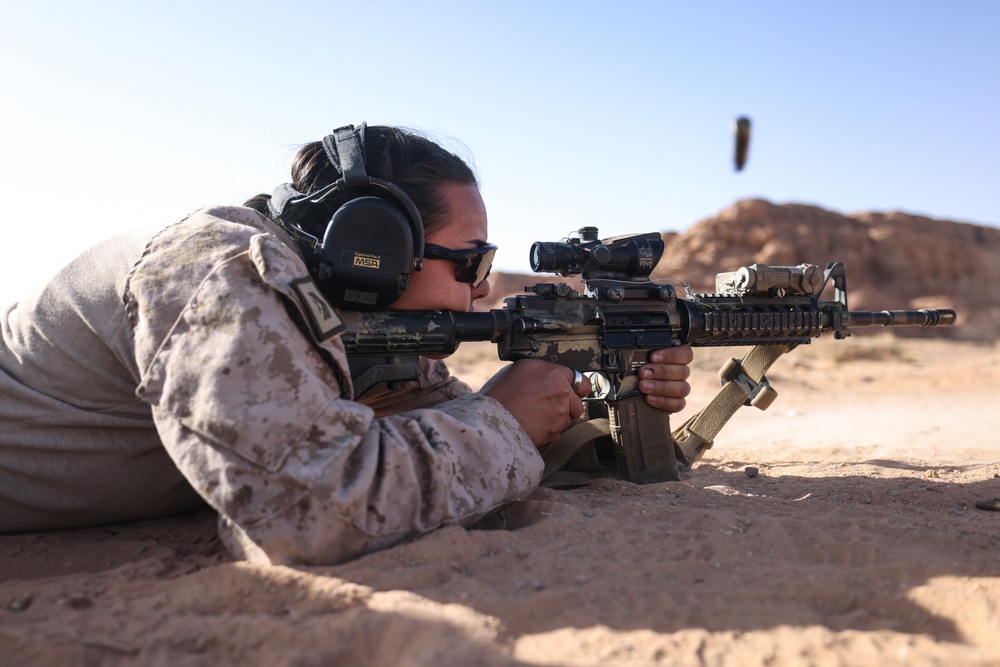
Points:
point(166, 368)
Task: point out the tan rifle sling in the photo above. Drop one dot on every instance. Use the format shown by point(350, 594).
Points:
point(743, 383)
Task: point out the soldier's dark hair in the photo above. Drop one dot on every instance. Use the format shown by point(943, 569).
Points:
point(413, 162)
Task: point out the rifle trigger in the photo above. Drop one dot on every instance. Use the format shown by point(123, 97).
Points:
point(759, 394)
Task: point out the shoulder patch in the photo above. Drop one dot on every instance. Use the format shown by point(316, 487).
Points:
point(323, 318)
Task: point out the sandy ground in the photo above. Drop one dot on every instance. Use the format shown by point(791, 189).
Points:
point(859, 543)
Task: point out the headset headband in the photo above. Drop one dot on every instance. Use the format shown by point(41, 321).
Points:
point(345, 150)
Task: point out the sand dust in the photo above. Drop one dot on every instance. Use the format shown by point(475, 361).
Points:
point(858, 543)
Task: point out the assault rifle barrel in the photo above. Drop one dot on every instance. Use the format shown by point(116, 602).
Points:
point(925, 317)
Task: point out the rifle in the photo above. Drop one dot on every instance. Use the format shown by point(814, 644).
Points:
point(621, 317)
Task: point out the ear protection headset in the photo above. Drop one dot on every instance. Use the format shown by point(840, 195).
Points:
point(374, 239)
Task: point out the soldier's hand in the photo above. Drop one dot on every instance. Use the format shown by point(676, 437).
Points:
point(540, 395)
point(664, 378)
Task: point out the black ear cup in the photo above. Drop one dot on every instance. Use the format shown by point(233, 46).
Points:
point(374, 240)
point(367, 255)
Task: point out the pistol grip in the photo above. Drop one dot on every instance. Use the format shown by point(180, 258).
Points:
point(643, 446)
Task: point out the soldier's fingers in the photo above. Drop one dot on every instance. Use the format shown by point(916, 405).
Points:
point(668, 389)
point(580, 383)
point(665, 403)
point(682, 354)
point(668, 372)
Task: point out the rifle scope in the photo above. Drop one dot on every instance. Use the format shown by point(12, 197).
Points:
point(621, 258)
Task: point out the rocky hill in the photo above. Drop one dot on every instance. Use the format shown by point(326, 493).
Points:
point(894, 260)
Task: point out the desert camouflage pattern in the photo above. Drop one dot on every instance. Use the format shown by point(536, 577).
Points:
point(255, 412)
point(77, 446)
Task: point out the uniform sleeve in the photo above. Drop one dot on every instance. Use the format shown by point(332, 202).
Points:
point(252, 411)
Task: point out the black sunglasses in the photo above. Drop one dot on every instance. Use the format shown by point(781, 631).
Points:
point(472, 265)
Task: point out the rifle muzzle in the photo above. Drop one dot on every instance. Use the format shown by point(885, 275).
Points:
point(925, 317)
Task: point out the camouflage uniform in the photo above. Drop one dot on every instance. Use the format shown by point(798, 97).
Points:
point(250, 407)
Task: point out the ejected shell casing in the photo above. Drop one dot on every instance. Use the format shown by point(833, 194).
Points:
point(741, 128)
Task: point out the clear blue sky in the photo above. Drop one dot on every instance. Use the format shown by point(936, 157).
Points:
point(119, 114)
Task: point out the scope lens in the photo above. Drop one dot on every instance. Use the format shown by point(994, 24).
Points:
point(566, 259)
point(535, 259)
point(549, 257)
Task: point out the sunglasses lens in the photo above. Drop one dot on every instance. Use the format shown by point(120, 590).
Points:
point(471, 266)
point(478, 267)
